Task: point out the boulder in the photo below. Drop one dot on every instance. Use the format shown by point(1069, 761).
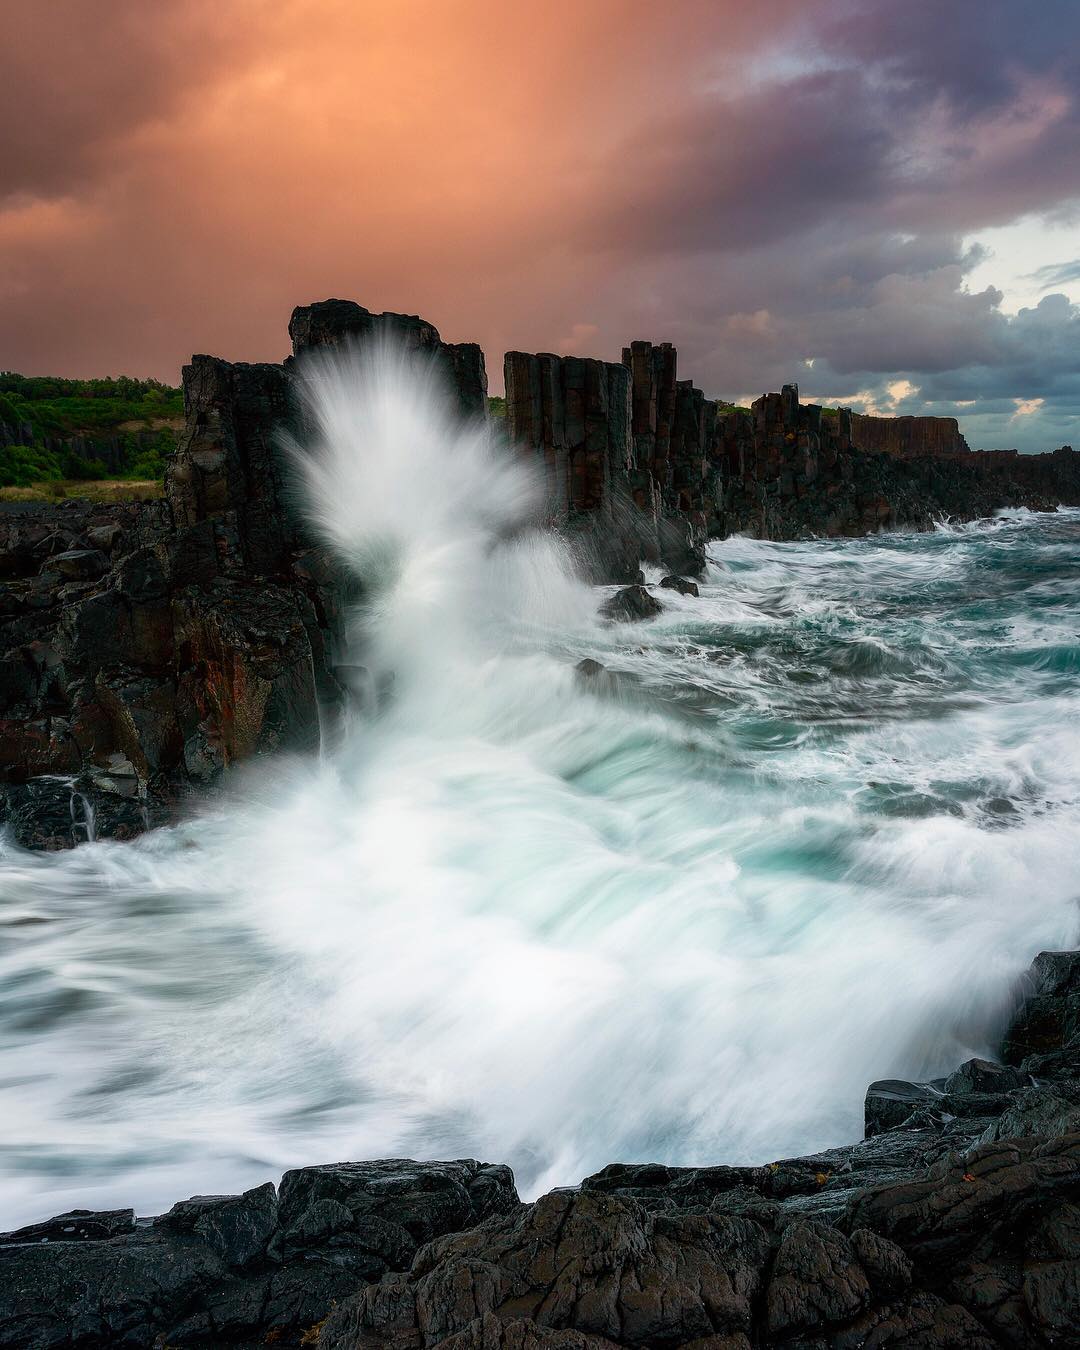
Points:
point(265, 1266)
point(1049, 1018)
point(630, 605)
point(77, 564)
point(891, 1102)
point(679, 584)
point(981, 1075)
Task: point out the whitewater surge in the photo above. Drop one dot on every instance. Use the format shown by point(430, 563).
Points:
point(830, 812)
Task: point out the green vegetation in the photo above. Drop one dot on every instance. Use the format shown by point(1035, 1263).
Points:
point(496, 406)
point(125, 429)
point(21, 465)
point(106, 490)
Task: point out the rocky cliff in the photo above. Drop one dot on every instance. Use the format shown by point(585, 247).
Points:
point(908, 437)
point(148, 647)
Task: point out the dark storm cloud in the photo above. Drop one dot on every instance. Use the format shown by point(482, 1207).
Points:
point(766, 186)
point(78, 74)
point(969, 51)
point(908, 117)
point(732, 170)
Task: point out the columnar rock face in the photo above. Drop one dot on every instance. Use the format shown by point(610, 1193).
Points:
point(624, 451)
point(674, 430)
point(338, 323)
point(229, 467)
point(146, 648)
point(908, 437)
point(787, 468)
point(653, 372)
point(574, 415)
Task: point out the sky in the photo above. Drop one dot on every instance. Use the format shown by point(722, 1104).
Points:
point(877, 199)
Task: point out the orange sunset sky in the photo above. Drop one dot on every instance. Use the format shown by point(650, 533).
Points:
point(877, 200)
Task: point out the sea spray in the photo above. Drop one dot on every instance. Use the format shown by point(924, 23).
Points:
point(830, 816)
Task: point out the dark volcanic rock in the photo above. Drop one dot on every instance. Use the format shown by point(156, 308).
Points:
point(376, 1214)
point(980, 1075)
point(54, 813)
point(344, 323)
point(679, 584)
point(237, 1227)
point(590, 1263)
point(1050, 1016)
point(77, 1225)
point(187, 635)
point(219, 1269)
point(77, 564)
point(630, 605)
point(891, 1102)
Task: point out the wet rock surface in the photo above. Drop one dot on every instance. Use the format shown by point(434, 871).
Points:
point(631, 605)
point(680, 585)
point(216, 1270)
point(941, 1228)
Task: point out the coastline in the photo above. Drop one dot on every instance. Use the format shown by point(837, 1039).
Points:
point(951, 1223)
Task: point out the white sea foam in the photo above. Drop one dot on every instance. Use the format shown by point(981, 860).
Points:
point(832, 814)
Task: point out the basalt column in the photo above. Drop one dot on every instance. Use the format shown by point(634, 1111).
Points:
point(673, 430)
point(256, 602)
point(909, 437)
point(573, 414)
point(344, 323)
point(653, 375)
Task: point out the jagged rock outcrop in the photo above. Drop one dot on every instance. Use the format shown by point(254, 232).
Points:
point(334, 323)
point(219, 1270)
point(940, 1229)
point(147, 647)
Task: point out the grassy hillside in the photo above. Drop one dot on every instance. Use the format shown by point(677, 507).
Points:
point(52, 429)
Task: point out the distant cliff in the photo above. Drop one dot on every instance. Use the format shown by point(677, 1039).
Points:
point(908, 437)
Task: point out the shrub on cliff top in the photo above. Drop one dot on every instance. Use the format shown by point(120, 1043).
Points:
point(22, 465)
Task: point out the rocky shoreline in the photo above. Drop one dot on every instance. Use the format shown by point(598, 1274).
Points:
point(954, 1223)
point(146, 648)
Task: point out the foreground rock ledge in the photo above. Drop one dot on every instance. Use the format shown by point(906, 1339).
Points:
point(956, 1223)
